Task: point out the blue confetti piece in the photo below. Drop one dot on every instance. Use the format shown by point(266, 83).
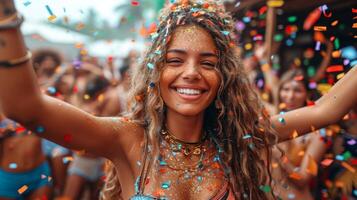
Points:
point(51, 90)
point(12, 165)
point(194, 9)
point(166, 185)
point(27, 3)
point(291, 196)
point(151, 85)
point(281, 120)
point(355, 192)
point(49, 10)
point(158, 52)
point(225, 33)
point(154, 35)
point(40, 129)
point(339, 157)
point(200, 178)
point(322, 132)
point(282, 113)
point(150, 66)
point(246, 137)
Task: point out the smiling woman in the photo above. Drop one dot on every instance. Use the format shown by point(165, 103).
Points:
point(195, 128)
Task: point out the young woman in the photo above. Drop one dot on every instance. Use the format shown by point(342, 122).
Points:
point(293, 174)
point(195, 129)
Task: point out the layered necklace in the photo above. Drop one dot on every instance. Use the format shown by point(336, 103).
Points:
point(186, 159)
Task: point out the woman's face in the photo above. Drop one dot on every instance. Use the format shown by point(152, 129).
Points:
point(293, 94)
point(189, 80)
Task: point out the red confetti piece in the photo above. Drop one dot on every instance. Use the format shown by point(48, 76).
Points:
point(135, 3)
point(327, 162)
point(334, 68)
point(67, 138)
point(354, 10)
point(20, 129)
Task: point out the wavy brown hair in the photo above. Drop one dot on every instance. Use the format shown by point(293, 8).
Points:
point(236, 118)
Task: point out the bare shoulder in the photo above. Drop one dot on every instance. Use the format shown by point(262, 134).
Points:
point(126, 135)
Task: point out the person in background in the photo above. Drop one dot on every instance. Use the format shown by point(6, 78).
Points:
point(48, 65)
point(293, 173)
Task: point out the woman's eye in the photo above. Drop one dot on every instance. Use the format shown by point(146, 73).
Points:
point(208, 64)
point(174, 61)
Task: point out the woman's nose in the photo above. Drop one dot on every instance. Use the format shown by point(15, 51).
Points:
point(191, 71)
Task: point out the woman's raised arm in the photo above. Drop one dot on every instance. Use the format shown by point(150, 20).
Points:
point(22, 100)
point(328, 109)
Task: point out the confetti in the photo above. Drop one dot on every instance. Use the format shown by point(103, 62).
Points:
point(150, 66)
point(12, 165)
point(135, 3)
point(334, 68)
point(51, 18)
point(326, 162)
point(312, 167)
point(22, 189)
point(351, 142)
point(166, 185)
point(320, 28)
point(265, 188)
point(67, 137)
point(40, 129)
point(49, 10)
point(275, 3)
point(27, 3)
point(295, 176)
point(348, 167)
point(281, 120)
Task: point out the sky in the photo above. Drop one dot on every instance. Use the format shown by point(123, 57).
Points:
point(35, 10)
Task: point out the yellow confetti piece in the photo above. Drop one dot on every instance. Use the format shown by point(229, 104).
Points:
point(86, 96)
point(297, 61)
point(301, 153)
point(336, 54)
point(320, 28)
point(248, 46)
point(349, 167)
point(312, 167)
point(339, 76)
point(265, 67)
point(22, 189)
point(100, 98)
point(51, 18)
point(282, 106)
point(265, 96)
point(274, 165)
point(275, 3)
point(354, 25)
point(334, 23)
point(295, 134)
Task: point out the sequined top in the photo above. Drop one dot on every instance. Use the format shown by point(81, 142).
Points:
point(176, 174)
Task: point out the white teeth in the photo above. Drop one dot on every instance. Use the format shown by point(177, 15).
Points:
point(188, 91)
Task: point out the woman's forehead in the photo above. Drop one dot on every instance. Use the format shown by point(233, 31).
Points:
point(193, 38)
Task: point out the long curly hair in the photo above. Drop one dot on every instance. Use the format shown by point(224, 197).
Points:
point(236, 117)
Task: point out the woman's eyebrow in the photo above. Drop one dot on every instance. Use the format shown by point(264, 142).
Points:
point(204, 54)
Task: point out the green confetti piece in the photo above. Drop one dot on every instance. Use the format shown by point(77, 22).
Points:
point(292, 19)
point(311, 71)
point(347, 155)
point(337, 43)
point(265, 188)
point(278, 37)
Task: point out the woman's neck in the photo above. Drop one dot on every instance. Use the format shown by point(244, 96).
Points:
point(185, 128)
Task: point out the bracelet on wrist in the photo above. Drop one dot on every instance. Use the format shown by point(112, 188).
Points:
point(15, 62)
point(14, 21)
